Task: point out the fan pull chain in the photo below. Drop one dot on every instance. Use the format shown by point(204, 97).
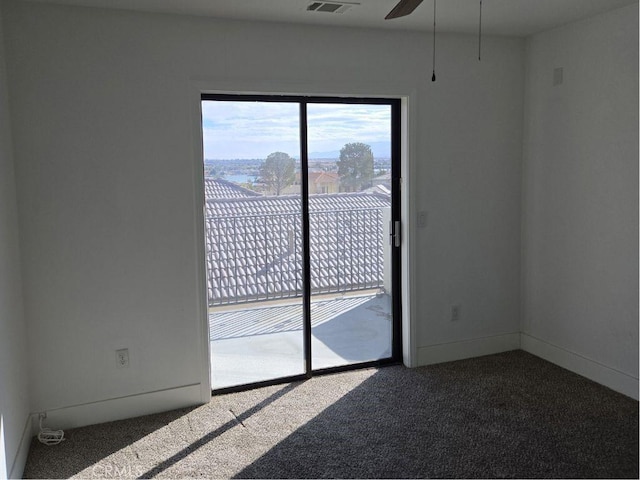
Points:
point(480, 34)
point(433, 76)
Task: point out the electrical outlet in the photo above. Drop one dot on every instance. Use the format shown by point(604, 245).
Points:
point(422, 219)
point(557, 76)
point(455, 313)
point(122, 358)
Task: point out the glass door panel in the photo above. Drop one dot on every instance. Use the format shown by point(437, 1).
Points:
point(349, 178)
point(253, 228)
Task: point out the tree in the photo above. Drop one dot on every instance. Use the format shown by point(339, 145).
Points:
point(278, 171)
point(355, 166)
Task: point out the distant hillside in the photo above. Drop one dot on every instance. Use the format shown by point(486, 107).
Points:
point(379, 149)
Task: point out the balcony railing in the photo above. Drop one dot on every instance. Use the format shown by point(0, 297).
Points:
point(253, 258)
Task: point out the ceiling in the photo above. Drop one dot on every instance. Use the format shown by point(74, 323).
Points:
point(499, 17)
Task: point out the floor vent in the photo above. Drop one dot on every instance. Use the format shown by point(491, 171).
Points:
point(330, 7)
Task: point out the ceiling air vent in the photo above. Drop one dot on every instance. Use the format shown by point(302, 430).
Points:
point(330, 7)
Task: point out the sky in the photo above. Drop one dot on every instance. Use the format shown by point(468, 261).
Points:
point(255, 129)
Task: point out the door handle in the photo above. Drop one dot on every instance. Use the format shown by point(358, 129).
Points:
point(394, 233)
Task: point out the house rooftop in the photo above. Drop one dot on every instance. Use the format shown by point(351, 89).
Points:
point(219, 188)
point(254, 244)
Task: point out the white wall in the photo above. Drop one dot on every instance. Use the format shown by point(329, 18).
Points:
point(468, 179)
point(104, 144)
point(14, 396)
point(580, 223)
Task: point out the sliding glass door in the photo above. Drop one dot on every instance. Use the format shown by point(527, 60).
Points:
point(300, 198)
point(253, 228)
point(351, 315)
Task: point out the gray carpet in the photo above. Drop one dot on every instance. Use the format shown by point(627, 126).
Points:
point(510, 415)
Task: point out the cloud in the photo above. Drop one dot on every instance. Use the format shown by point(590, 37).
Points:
point(249, 129)
point(330, 126)
point(242, 129)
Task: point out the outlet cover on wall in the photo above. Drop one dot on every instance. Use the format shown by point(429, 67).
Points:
point(422, 219)
point(455, 313)
point(558, 76)
point(122, 358)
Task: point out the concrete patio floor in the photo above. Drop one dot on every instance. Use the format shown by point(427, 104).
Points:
point(264, 341)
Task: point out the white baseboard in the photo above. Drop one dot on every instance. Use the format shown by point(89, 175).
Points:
point(122, 407)
point(609, 377)
point(477, 347)
point(20, 459)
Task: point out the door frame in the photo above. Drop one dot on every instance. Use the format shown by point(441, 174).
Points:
point(406, 93)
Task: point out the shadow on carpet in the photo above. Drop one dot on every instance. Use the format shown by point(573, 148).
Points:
point(510, 415)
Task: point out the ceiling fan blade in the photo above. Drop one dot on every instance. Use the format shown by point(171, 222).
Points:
point(404, 7)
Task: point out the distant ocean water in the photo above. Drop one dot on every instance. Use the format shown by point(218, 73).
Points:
point(240, 178)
